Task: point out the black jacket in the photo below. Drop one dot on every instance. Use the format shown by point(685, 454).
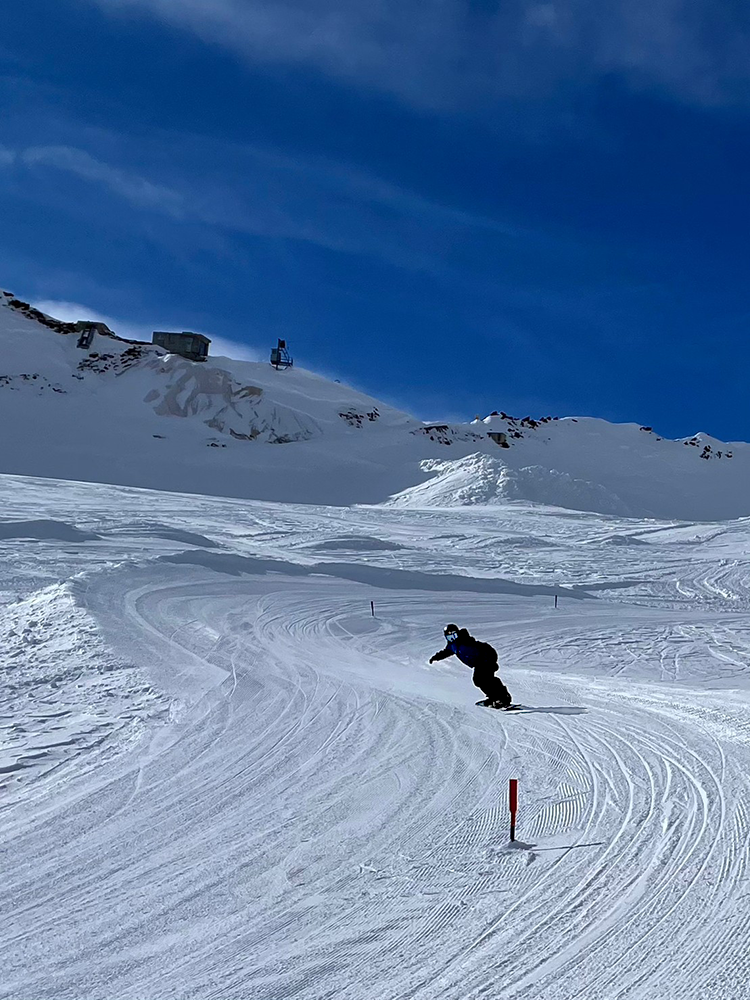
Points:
point(475, 654)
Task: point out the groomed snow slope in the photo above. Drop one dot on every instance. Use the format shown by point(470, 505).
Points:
point(130, 414)
point(223, 778)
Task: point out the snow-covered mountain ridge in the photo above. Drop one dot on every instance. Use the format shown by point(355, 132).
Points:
point(128, 413)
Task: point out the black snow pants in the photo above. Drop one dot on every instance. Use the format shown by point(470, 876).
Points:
point(492, 687)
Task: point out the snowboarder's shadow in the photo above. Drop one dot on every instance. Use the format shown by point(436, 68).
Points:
point(556, 709)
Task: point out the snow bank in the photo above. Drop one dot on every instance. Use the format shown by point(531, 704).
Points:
point(481, 479)
point(65, 694)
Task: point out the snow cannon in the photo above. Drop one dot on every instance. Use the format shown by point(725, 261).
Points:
point(280, 358)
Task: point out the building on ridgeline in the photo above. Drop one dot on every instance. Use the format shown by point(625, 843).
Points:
point(193, 346)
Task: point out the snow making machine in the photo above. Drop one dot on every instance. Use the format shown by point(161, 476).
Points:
point(280, 358)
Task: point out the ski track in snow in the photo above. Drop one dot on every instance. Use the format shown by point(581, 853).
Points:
point(285, 800)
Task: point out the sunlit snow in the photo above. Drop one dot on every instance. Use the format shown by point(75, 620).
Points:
point(221, 775)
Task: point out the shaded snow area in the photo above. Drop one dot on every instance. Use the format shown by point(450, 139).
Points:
point(222, 777)
point(130, 414)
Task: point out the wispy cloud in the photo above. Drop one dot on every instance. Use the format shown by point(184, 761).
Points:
point(256, 191)
point(222, 347)
point(70, 312)
point(7, 156)
point(443, 52)
point(135, 189)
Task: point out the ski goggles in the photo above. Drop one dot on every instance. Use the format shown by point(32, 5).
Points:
point(451, 636)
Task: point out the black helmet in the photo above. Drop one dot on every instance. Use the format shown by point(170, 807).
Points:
point(450, 628)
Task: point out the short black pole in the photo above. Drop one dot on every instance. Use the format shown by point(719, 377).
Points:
point(372, 608)
point(555, 600)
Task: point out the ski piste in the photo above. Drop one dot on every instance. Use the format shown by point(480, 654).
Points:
point(199, 678)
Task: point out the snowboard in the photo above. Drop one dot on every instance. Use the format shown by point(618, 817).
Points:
point(513, 707)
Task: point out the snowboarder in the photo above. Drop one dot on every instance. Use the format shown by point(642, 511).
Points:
point(482, 658)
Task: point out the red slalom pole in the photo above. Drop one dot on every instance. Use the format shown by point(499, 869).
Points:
point(513, 803)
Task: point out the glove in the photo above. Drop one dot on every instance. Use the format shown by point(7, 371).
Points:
point(432, 659)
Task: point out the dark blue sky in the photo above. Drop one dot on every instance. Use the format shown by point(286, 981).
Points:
point(457, 205)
